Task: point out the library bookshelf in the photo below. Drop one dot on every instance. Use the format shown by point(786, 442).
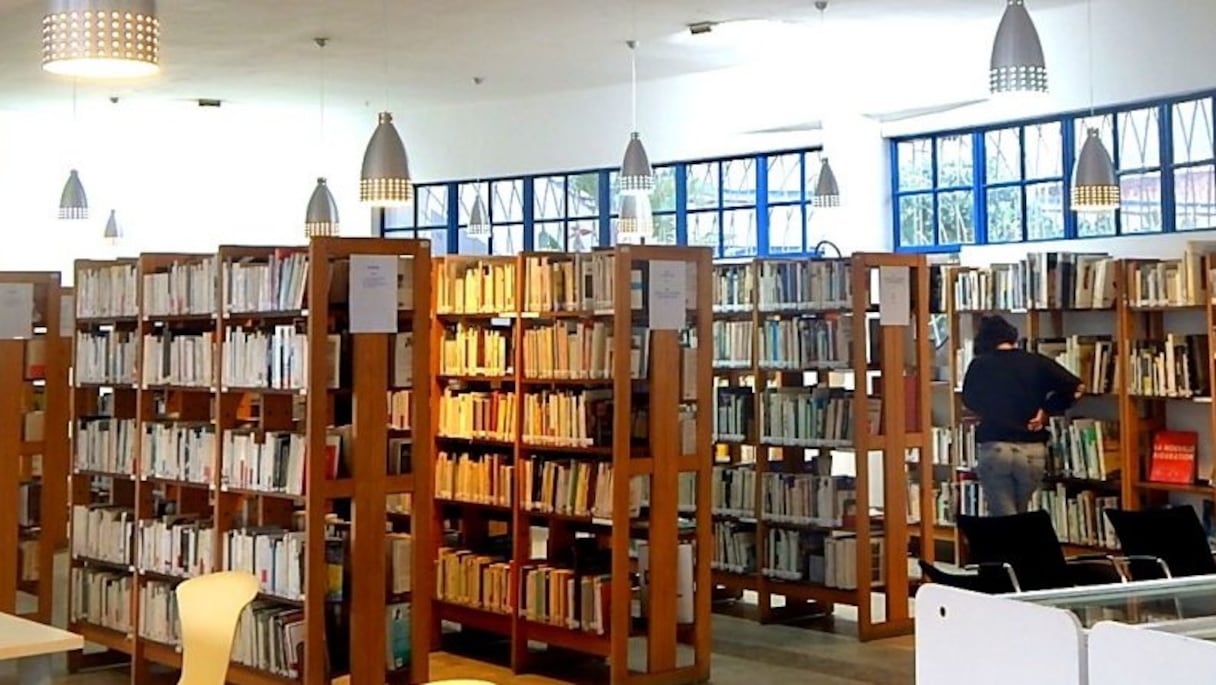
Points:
point(34, 438)
point(220, 422)
point(801, 353)
point(573, 404)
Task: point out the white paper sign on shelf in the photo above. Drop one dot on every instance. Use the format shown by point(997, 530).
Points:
point(668, 295)
point(373, 293)
point(894, 295)
point(67, 316)
point(16, 311)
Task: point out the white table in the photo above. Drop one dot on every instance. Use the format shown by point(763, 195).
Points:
point(32, 645)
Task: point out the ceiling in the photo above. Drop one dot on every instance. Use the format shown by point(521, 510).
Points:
point(261, 51)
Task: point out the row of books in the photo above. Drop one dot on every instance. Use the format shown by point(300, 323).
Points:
point(176, 359)
point(806, 343)
point(186, 288)
point(1039, 281)
point(808, 499)
point(274, 463)
point(477, 415)
point(29, 504)
point(159, 620)
point(810, 417)
point(101, 598)
point(734, 413)
point(573, 488)
point(481, 581)
point(275, 555)
point(179, 546)
point(1092, 359)
point(105, 445)
point(265, 359)
point(276, 285)
point(804, 284)
point(270, 638)
point(733, 491)
point(473, 350)
point(734, 287)
point(107, 292)
point(1083, 448)
point(566, 598)
point(27, 556)
point(475, 287)
point(1169, 282)
point(568, 418)
point(483, 479)
point(576, 350)
point(401, 410)
point(103, 533)
point(1175, 367)
point(822, 558)
point(732, 342)
point(1079, 519)
point(177, 451)
point(555, 284)
point(105, 357)
point(734, 547)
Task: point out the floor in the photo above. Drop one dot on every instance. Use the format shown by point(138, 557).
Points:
point(745, 653)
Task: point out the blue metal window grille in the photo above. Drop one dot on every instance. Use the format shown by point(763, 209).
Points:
point(1016, 186)
point(426, 218)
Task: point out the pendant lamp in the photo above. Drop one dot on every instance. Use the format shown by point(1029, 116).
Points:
point(1017, 64)
point(1095, 185)
point(112, 233)
point(479, 223)
point(100, 39)
point(637, 176)
point(386, 169)
point(827, 191)
point(637, 220)
point(321, 219)
point(73, 202)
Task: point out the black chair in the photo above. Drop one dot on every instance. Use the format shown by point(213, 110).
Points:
point(1028, 543)
point(1163, 543)
point(989, 579)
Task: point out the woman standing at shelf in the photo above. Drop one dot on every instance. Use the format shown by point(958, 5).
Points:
point(1013, 391)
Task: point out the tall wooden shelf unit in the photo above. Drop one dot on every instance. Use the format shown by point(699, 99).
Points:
point(34, 445)
point(165, 398)
point(606, 582)
point(809, 330)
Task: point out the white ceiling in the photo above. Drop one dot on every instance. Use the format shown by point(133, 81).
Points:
point(261, 51)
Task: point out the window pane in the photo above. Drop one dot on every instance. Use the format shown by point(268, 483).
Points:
point(703, 230)
point(739, 233)
point(508, 240)
point(785, 178)
point(1139, 138)
point(1195, 197)
point(583, 235)
point(812, 165)
point(1005, 214)
point(548, 236)
point(916, 220)
point(1045, 211)
point(1044, 151)
point(1141, 203)
point(665, 229)
point(663, 199)
point(508, 205)
point(703, 185)
point(549, 197)
point(438, 238)
point(1091, 224)
point(956, 218)
point(468, 195)
point(785, 229)
point(583, 196)
point(432, 205)
point(955, 166)
point(466, 244)
point(1193, 132)
point(915, 159)
point(1003, 154)
point(396, 218)
point(739, 182)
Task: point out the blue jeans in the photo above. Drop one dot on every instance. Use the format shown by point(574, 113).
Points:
point(1009, 473)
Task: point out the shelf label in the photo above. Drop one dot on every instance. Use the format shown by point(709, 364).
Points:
point(373, 293)
point(894, 295)
point(16, 311)
point(668, 295)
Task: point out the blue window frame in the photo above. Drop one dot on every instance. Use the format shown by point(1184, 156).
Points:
point(741, 206)
point(1011, 182)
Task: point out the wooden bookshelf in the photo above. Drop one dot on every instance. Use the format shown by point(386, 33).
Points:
point(805, 327)
point(517, 315)
point(33, 436)
point(244, 481)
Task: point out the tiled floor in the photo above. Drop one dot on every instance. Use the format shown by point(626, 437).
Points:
point(745, 653)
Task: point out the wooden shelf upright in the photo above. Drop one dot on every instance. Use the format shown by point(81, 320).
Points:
point(33, 446)
point(538, 363)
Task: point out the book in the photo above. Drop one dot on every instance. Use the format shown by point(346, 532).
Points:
point(274, 284)
point(1079, 518)
point(101, 598)
point(480, 478)
point(106, 292)
point(178, 452)
point(105, 445)
point(185, 288)
point(1173, 459)
point(106, 357)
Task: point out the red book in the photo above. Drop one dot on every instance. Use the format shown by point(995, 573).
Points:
point(1174, 457)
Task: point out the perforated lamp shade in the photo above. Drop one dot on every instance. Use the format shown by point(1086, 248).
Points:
point(637, 176)
point(637, 219)
point(73, 202)
point(827, 191)
point(1095, 186)
point(1017, 65)
point(386, 168)
point(479, 224)
point(322, 216)
point(101, 38)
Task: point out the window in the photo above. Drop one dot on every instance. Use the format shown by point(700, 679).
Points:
point(566, 212)
point(787, 189)
point(1165, 161)
point(507, 216)
point(426, 218)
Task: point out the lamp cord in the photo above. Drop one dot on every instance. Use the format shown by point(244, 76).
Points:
point(321, 45)
point(633, 70)
point(384, 25)
point(1089, 28)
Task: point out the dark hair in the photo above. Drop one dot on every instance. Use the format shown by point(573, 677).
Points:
point(993, 331)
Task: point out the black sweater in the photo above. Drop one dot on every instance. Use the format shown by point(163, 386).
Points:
point(1007, 388)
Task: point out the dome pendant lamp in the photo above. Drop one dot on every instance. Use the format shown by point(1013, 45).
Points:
point(1095, 185)
point(112, 233)
point(101, 39)
point(637, 220)
point(1017, 64)
point(73, 202)
point(637, 176)
point(827, 191)
point(386, 169)
point(321, 218)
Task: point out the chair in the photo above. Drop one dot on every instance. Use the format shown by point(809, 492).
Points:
point(209, 607)
point(989, 579)
point(1028, 543)
point(1163, 543)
